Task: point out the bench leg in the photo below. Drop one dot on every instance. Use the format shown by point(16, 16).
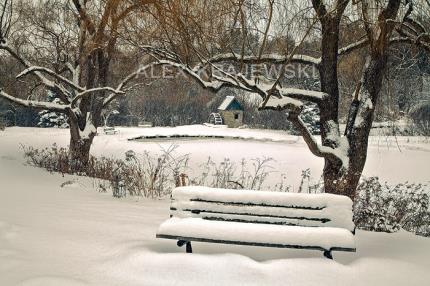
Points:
point(188, 247)
point(327, 253)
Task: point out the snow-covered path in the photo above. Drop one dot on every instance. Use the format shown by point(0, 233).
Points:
point(73, 235)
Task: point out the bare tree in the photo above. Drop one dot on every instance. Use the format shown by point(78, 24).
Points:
point(81, 83)
point(383, 22)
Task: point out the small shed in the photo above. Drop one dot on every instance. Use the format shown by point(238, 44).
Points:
point(231, 112)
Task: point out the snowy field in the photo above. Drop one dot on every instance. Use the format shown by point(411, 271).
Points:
point(73, 235)
point(392, 159)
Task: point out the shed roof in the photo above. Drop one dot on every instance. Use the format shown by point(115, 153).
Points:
point(230, 102)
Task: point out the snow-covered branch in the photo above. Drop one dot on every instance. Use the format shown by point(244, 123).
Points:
point(281, 103)
point(411, 32)
point(303, 94)
point(294, 108)
point(62, 93)
point(269, 58)
point(94, 90)
point(353, 46)
point(35, 104)
point(60, 78)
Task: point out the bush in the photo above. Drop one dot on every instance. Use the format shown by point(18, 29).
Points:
point(386, 208)
point(227, 175)
point(153, 176)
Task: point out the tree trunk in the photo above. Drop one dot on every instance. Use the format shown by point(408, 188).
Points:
point(83, 125)
point(329, 108)
point(79, 151)
point(79, 148)
point(337, 180)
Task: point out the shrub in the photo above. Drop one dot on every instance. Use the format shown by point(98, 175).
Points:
point(153, 176)
point(379, 207)
point(227, 175)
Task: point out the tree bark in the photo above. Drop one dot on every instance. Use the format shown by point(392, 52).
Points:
point(79, 153)
point(345, 182)
point(79, 148)
point(329, 107)
point(339, 179)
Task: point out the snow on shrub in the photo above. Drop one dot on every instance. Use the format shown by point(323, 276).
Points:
point(380, 207)
point(52, 119)
point(227, 174)
point(311, 117)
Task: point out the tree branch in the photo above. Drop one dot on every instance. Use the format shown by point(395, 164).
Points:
point(64, 80)
point(268, 58)
point(303, 94)
point(83, 15)
point(93, 90)
point(62, 93)
point(294, 108)
point(128, 79)
point(40, 105)
point(320, 8)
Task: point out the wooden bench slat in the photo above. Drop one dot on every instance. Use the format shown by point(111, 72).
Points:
point(260, 197)
point(197, 211)
point(258, 205)
point(250, 219)
point(256, 221)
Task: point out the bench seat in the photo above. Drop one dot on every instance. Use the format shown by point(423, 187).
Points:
point(256, 234)
point(110, 130)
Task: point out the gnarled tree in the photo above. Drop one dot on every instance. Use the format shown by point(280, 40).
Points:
point(80, 77)
point(383, 23)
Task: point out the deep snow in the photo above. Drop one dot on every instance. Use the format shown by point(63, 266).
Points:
point(73, 235)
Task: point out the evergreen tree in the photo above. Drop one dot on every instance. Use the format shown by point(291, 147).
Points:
point(311, 117)
point(52, 119)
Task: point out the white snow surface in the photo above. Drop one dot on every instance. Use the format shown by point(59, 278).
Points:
point(283, 102)
point(338, 209)
point(262, 197)
point(325, 237)
point(393, 159)
point(73, 235)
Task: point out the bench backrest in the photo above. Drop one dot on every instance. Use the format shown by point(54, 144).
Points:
point(316, 210)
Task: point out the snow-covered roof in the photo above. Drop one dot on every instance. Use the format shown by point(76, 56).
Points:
point(227, 102)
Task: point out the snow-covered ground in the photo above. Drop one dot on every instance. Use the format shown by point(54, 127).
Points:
point(73, 235)
point(392, 159)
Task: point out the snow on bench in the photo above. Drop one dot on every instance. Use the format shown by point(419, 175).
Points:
point(272, 219)
point(110, 130)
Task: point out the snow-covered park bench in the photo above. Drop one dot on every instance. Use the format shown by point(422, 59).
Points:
point(257, 218)
point(110, 130)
